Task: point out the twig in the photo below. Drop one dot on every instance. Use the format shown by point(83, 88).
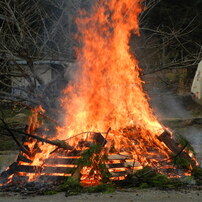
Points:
point(15, 139)
point(42, 115)
point(87, 132)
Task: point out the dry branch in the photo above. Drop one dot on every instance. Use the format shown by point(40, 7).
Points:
point(58, 143)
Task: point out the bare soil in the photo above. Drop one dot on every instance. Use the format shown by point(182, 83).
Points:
point(129, 195)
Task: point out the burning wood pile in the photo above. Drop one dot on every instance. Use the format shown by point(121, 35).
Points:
point(109, 130)
point(94, 155)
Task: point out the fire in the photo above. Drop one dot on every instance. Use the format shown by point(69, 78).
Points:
point(107, 92)
point(107, 95)
point(36, 157)
point(88, 178)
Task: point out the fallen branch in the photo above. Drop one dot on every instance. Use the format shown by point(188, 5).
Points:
point(58, 143)
point(22, 148)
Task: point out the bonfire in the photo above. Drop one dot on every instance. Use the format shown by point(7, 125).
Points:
point(107, 117)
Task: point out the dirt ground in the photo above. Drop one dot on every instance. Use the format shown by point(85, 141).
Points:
point(129, 195)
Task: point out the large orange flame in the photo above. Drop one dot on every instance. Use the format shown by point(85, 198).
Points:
point(108, 90)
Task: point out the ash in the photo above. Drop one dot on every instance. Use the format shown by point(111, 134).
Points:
point(29, 188)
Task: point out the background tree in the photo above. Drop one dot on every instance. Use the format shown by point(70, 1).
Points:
point(171, 31)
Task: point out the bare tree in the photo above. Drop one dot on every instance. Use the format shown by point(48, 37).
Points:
point(171, 46)
point(36, 40)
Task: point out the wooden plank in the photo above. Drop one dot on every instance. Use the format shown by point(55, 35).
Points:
point(57, 170)
point(61, 161)
point(115, 165)
point(11, 170)
point(23, 159)
point(38, 169)
point(173, 146)
point(118, 174)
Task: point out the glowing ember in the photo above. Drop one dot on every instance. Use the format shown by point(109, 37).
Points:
point(90, 178)
point(10, 178)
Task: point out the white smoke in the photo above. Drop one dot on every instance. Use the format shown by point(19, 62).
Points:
point(194, 135)
point(168, 105)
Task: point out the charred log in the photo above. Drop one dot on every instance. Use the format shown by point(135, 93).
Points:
point(58, 143)
point(174, 147)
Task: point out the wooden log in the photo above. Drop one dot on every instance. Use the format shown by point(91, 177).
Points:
point(28, 169)
point(58, 143)
point(38, 169)
point(173, 146)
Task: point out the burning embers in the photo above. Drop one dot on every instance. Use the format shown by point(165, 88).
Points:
point(93, 157)
point(106, 106)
